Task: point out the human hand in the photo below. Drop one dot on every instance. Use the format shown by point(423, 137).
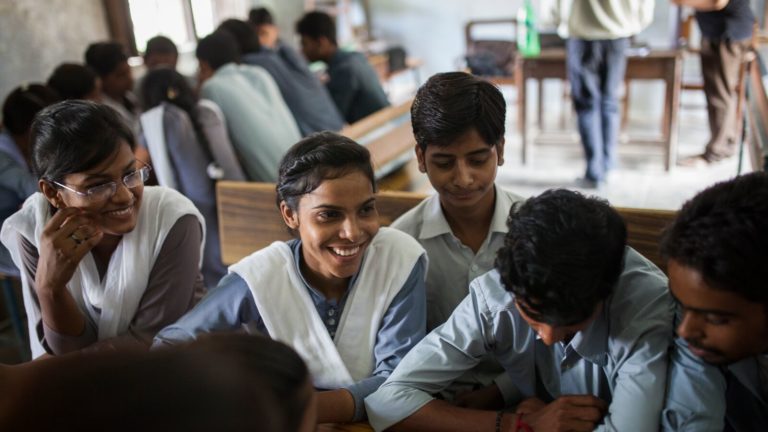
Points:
point(488, 397)
point(65, 239)
point(530, 405)
point(568, 413)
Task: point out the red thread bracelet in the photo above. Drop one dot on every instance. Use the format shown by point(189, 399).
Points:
point(521, 425)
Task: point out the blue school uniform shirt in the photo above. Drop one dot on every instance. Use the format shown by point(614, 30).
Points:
point(621, 357)
point(305, 95)
point(354, 86)
point(704, 397)
point(231, 305)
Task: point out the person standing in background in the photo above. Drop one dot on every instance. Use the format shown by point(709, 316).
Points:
point(726, 33)
point(599, 33)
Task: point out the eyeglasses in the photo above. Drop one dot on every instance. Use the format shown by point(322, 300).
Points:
point(105, 191)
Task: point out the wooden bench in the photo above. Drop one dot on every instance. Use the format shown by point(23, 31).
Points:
point(249, 219)
point(388, 136)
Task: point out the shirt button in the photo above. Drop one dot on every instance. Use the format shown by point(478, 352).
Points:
point(474, 267)
point(333, 334)
point(331, 312)
point(331, 321)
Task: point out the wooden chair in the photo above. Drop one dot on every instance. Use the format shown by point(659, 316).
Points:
point(249, 219)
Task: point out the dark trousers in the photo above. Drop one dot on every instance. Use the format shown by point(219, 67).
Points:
point(596, 70)
point(721, 63)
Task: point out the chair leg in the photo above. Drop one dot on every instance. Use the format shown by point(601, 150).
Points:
point(15, 315)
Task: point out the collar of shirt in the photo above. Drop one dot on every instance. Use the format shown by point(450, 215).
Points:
point(749, 372)
point(8, 145)
point(435, 223)
point(591, 343)
point(317, 296)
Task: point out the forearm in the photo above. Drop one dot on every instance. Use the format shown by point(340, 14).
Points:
point(703, 5)
point(60, 311)
point(440, 416)
point(335, 406)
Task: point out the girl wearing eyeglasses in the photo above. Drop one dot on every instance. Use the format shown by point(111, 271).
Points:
point(347, 295)
point(104, 260)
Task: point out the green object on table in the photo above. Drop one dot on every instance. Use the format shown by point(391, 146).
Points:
point(527, 35)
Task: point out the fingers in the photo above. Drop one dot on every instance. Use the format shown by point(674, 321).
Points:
point(84, 246)
point(58, 219)
point(585, 400)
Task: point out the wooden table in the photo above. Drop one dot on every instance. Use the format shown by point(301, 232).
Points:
point(657, 65)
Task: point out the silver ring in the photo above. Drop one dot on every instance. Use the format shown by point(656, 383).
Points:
point(77, 240)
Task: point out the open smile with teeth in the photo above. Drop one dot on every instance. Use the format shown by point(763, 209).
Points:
point(121, 212)
point(346, 252)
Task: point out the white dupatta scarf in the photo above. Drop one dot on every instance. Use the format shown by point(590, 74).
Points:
point(291, 317)
point(111, 303)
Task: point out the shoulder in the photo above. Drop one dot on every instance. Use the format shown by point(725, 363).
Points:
point(411, 221)
point(390, 238)
point(640, 297)
point(489, 291)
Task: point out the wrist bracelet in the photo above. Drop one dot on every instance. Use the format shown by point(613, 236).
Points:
point(499, 418)
point(521, 425)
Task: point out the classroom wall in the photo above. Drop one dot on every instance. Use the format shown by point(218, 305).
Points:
point(37, 35)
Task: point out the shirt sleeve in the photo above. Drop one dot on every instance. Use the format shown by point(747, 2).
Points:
point(695, 394)
point(432, 365)
point(402, 327)
point(226, 307)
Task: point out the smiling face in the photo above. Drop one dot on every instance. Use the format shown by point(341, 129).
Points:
point(720, 327)
point(462, 172)
point(115, 216)
point(336, 222)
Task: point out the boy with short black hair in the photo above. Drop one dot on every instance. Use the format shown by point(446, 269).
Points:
point(458, 123)
point(580, 322)
point(718, 267)
point(352, 82)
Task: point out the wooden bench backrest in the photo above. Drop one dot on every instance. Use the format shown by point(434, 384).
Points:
point(249, 219)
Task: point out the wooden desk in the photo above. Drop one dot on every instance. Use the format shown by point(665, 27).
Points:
point(658, 65)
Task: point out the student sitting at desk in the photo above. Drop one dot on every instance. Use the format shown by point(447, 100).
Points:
point(352, 82)
point(260, 125)
point(458, 123)
point(717, 250)
point(580, 322)
point(305, 95)
point(104, 260)
point(346, 294)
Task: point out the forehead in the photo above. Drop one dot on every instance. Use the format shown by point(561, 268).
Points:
point(111, 167)
point(470, 142)
point(349, 190)
point(692, 291)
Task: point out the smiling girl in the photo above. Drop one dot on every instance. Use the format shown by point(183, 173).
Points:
point(346, 294)
point(103, 259)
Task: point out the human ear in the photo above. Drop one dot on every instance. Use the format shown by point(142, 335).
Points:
point(290, 217)
point(51, 193)
point(500, 151)
point(420, 159)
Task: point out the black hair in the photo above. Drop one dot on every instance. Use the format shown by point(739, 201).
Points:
point(105, 57)
point(722, 233)
point(166, 85)
point(23, 103)
point(562, 255)
point(318, 157)
point(228, 382)
point(316, 25)
point(245, 35)
point(75, 136)
point(218, 49)
point(72, 80)
point(450, 104)
point(260, 16)
point(160, 45)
